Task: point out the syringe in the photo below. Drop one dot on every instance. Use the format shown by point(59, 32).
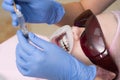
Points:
point(21, 21)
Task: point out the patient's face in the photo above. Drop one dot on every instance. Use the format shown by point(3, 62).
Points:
point(72, 44)
point(61, 39)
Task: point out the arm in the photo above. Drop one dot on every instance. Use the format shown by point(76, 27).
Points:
point(97, 6)
point(72, 10)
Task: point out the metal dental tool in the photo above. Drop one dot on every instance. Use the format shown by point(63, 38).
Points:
point(21, 21)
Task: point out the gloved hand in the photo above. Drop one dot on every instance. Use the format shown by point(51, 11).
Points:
point(50, 61)
point(36, 11)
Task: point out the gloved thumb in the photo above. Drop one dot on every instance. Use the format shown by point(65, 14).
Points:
point(22, 1)
point(38, 41)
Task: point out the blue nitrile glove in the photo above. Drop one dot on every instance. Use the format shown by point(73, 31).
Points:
point(50, 62)
point(36, 11)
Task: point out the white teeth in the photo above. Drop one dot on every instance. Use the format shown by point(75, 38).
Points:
point(66, 40)
point(62, 43)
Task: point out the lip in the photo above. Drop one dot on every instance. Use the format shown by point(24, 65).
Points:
point(63, 36)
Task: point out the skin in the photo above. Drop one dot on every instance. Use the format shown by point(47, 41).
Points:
point(75, 8)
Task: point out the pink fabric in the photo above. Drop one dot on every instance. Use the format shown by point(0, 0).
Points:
point(116, 40)
point(8, 68)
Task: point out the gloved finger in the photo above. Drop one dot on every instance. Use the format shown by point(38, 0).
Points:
point(21, 55)
point(14, 19)
point(10, 2)
point(22, 70)
point(25, 44)
point(21, 62)
point(23, 1)
point(7, 7)
point(38, 41)
point(18, 7)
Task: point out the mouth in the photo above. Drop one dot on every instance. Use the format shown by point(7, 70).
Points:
point(63, 38)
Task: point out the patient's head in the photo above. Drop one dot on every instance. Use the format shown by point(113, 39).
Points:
point(69, 38)
point(108, 25)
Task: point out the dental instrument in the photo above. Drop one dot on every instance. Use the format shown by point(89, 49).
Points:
point(21, 21)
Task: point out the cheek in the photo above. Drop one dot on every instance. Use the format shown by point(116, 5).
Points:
point(77, 32)
point(78, 53)
point(76, 47)
point(76, 40)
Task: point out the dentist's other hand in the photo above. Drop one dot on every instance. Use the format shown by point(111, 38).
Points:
point(50, 62)
point(36, 11)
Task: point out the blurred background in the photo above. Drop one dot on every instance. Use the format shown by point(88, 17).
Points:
point(7, 60)
point(7, 30)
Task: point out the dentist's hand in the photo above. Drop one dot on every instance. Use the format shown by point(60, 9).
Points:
point(36, 11)
point(50, 62)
